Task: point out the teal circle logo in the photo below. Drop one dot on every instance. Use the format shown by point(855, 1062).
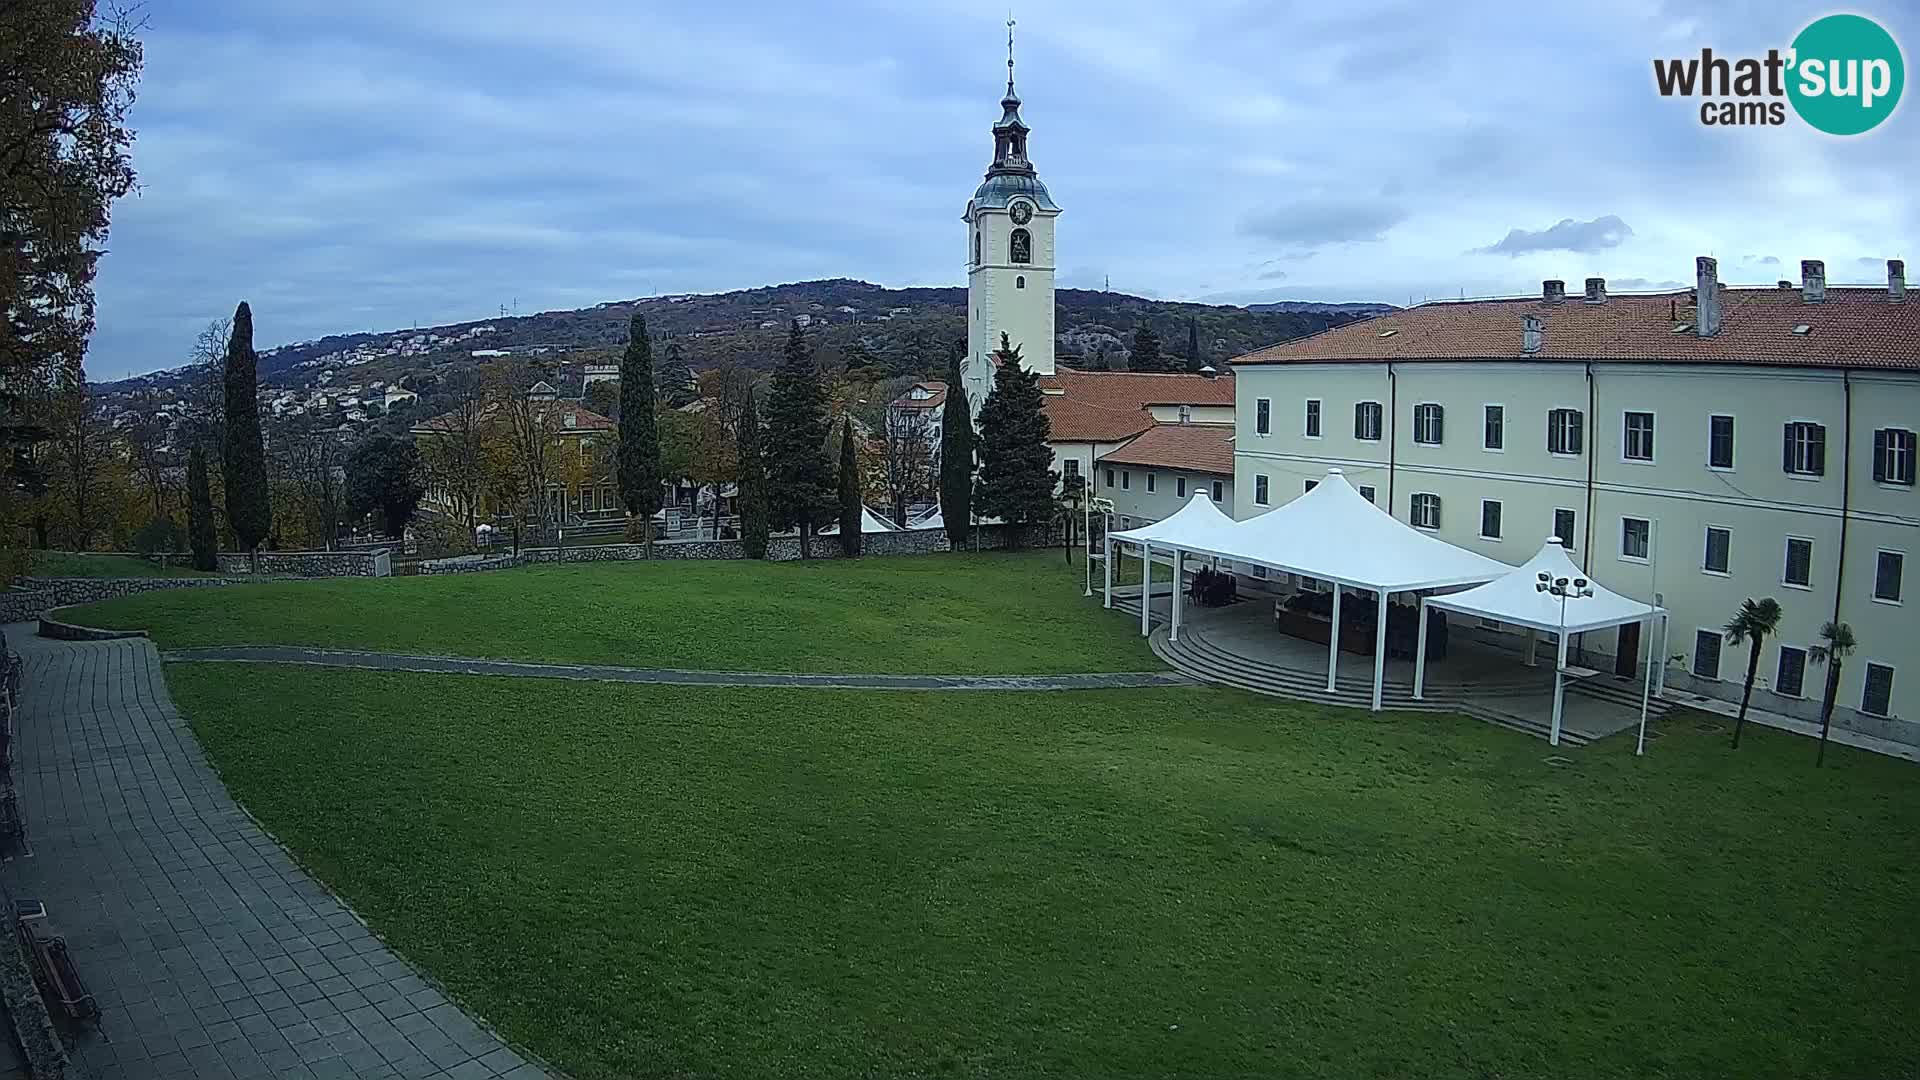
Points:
point(1847, 74)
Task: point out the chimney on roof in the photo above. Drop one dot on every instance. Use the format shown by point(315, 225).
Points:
point(1532, 333)
point(1596, 290)
point(1813, 281)
point(1785, 284)
point(1706, 296)
point(1553, 291)
point(1208, 371)
point(1896, 280)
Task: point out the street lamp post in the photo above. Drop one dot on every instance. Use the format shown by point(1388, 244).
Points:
point(1564, 588)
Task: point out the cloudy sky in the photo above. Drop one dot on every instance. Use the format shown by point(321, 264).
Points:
point(370, 165)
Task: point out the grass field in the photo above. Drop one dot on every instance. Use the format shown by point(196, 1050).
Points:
point(99, 565)
point(674, 882)
point(961, 614)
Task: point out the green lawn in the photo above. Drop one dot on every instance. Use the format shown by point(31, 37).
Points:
point(685, 882)
point(98, 565)
point(949, 614)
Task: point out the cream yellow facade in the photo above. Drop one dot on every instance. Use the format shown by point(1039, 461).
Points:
point(1662, 466)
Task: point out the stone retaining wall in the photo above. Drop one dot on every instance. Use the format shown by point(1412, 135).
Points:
point(780, 549)
point(34, 597)
point(310, 564)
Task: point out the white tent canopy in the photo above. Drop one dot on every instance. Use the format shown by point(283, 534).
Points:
point(1515, 598)
point(1333, 533)
point(870, 522)
point(1526, 596)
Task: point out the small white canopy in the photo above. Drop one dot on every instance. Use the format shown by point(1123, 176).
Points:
point(870, 522)
point(1514, 598)
point(1197, 526)
point(937, 519)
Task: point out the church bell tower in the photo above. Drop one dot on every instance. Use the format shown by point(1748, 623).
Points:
point(1010, 259)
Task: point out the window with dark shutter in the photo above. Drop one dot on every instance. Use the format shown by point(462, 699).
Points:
point(1803, 450)
point(1893, 456)
point(1887, 570)
point(1790, 680)
point(1706, 654)
point(1428, 424)
point(1876, 697)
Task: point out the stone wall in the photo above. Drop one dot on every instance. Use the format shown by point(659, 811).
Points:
point(780, 549)
point(310, 564)
point(34, 597)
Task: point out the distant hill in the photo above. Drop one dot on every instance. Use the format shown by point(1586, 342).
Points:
point(1307, 306)
point(898, 331)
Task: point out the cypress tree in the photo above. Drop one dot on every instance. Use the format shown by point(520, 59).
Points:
point(243, 459)
point(200, 534)
point(673, 380)
point(1194, 360)
point(956, 456)
point(799, 477)
point(850, 505)
point(1146, 350)
point(639, 456)
point(1016, 484)
point(752, 482)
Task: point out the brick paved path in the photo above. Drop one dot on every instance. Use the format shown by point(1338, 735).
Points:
point(379, 661)
point(211, 953)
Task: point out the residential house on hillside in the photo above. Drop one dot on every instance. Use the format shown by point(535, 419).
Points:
point(1692, 448)
point(580, 487)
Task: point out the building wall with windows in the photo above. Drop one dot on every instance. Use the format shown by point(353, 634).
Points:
point(1679, 486)
point(1143, 494)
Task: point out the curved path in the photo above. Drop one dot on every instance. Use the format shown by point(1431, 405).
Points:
point(379, 661)
point(212, 954)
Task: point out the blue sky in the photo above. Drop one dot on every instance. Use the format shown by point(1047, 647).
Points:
point(370, 165)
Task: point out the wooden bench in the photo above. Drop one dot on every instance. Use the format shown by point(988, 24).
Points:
point(52, 965)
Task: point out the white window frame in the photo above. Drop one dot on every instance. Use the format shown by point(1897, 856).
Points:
point(1796, 474)
point(1413, 511)
point(1152, 481)
point(1262, 490)
point(1893, 454)
point(1263, 417)
point(1502, 448)
point(1719, 654)
point(1314, 421)
point(1379, 421)
point(1892, 672)
point(1368, 493)
point(1901, 585)
point(1569, 543)
point(1500, 511)
point(1581, 415)
point(1733, 448)
point(1420, 415)
point(1219, 491)
point(1624, 556)
point(1706, 547)
point(1179, 487)
point(1126, 480)
point(1779, 660)
point(1626, 436)
point(1786, 562)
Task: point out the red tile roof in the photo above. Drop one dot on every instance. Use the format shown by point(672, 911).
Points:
point(1206, 448)
point(1108, 406)
point(1854, 327)
point(584, 420)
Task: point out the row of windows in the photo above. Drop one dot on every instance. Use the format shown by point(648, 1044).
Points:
point(1218, 493)
point(1262, 492)
point(1803, 443)
point(1790, 673)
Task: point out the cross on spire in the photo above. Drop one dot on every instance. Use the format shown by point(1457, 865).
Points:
point(1009, 53)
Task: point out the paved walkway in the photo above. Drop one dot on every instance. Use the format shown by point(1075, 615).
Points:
point(379, 661)
point(210, 952)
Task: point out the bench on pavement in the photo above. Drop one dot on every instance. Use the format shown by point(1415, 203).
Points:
point(52, 965)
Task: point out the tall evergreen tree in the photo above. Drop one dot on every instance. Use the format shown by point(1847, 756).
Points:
point(1194, 360)
point(243, 460)
point(1146, 350)
point(752, 488)
point(639, 458)
point(673, 381)
point(850, 504)
point(200, 529)
point(1016, 484)
point(799, 476)
point(956, 456)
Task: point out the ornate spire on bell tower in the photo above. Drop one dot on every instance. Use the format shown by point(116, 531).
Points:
point(1010, 134)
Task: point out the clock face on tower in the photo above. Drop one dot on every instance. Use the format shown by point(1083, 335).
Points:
point(1022, 213)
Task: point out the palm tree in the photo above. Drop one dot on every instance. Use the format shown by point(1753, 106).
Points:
point(1836, 645)
point(1754, 622)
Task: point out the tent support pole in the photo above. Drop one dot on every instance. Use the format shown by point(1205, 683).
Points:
point(1559, 689)
point(1173, 626)
point(1380, 652)
point(1333, 641)
point(1533, 647)
point(1106, 573)
point(1646, 688)
point(1146, 589)
point(1420, 656)
point(1660, 671)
